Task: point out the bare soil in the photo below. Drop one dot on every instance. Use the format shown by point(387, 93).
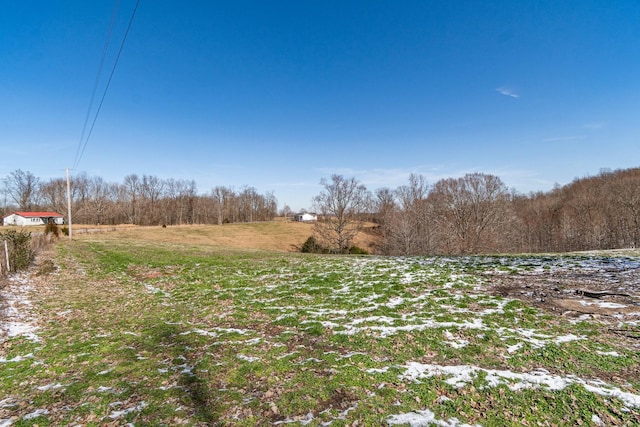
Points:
point(609, 296)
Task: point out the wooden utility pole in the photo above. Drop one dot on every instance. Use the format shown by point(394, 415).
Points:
point(69, 205)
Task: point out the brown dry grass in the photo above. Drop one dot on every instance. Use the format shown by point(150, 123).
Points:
point(278, 235)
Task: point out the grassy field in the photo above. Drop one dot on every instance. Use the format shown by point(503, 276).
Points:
point(178, 326)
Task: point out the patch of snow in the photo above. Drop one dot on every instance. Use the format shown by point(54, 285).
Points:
point(424, 418)
point(117, 414)
point(350, 355)
point(302, 420)
point(459, 376)
point(16, 329)
point(154, 290)
point(608, 353)
point(454, 341)
point(536, 339)
point(309, 360)
point(17, 358)
point(35, 414)
point(603, 304)
point(287, 355)
point(377, 370)
point(185, 369)
point(18, 319)
point(567, 338)
point(514, 348)
point(9, 402)
point(50, 387)
point(247, 358)
point(341, 416)
point(386, 331)
point(394, 302)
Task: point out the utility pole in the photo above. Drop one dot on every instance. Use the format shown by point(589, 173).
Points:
point(69, 205)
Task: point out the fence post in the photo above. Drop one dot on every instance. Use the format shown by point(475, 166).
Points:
point(6, 255)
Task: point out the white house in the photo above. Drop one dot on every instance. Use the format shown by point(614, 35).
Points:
point(305, 217)
point(33, 218)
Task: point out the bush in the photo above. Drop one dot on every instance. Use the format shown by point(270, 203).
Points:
point(20, 253)
point(355, 250)
point(52, 228)
point(311, 246)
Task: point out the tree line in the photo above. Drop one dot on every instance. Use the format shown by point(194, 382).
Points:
point(477, 213)
point(140, 200)
point(472, 214)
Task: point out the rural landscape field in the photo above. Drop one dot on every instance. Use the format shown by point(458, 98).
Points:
point(229, 325)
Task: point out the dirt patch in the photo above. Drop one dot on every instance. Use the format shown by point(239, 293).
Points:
point(597, 290)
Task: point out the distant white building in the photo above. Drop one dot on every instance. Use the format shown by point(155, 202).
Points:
point(305, 217)
point(25, 219)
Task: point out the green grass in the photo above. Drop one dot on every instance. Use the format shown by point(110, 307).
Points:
point(189, 335)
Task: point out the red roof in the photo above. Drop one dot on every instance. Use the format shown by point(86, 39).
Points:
point(38, 214)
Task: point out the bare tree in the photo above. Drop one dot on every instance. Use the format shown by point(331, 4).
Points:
point(626, 195)
point(221, 197)
point(408, 228)
point(385, 204)
point(342, 204)
point(132, 186)
point(99, 200)
point(286, 211)
point(22, 187)
point(53, 194)
point(178, 201)
point(151, 189)
point(469, 209)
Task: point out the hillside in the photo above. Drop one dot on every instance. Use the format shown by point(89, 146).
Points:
point(278, 235)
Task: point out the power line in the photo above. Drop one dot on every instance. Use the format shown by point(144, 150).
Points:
point(104, 94)
point(95, 83)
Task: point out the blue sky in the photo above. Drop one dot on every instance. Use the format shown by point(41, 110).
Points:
point(277, 95)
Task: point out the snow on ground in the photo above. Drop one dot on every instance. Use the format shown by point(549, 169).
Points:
point(425, 418)
point(460, 376)
point(16, 317)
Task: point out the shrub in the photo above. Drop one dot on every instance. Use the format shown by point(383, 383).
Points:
point(52, 228)
point(312, 246)
point(20, 253)
point(356, 250)
point(65, 231)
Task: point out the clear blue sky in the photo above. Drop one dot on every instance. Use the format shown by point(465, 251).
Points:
point(279, 94)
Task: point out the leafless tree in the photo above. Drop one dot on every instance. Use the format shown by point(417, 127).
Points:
point(22, 187)
point(385, 204)
point(178, 202)
point(286, 211)
point(151, 188)
point(221, 197)
point(98, 202)
point(132, 186)
point(470, 209)
point(625, 193)
point(342, 204)
point(408, 228)
point(53, 195)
